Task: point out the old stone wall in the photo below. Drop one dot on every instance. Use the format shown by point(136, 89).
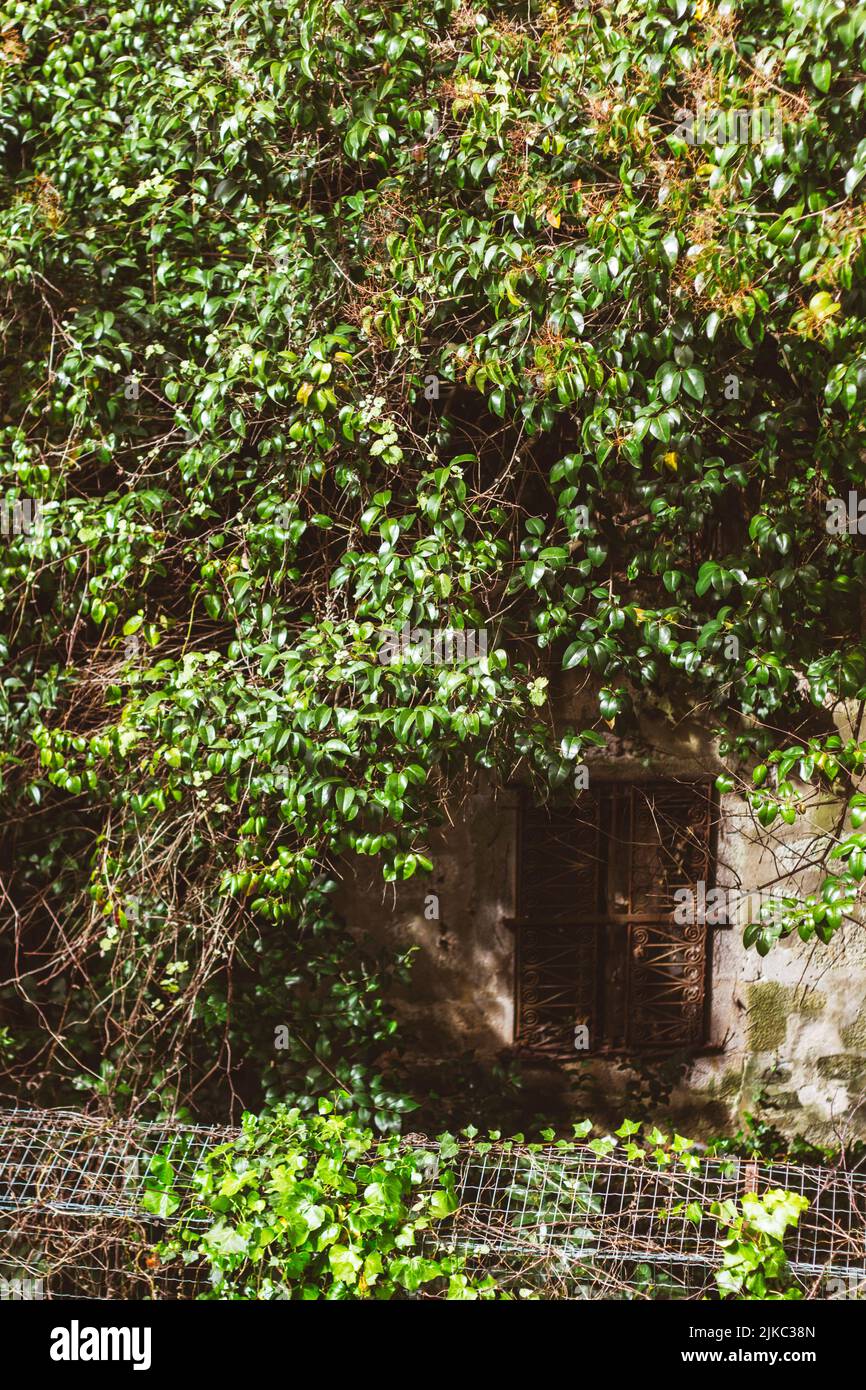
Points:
point(788, 1032)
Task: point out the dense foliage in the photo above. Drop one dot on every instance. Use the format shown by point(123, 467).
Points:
point(754, 1263)
point(320, 319)
point(305, 1207)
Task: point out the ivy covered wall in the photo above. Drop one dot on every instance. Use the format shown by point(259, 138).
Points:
point(320, 320)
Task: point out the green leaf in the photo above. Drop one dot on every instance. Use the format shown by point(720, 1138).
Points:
point(345, 1263)
point(671, 248)
point(822, 74)
point(693, 380)
point(574, 655)
point(671, 379)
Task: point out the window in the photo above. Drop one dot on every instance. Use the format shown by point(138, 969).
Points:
point(599, 946)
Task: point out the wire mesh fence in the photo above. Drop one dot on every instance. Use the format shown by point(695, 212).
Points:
point(71, 1163)
point(574, 1224)
point(83, 1202)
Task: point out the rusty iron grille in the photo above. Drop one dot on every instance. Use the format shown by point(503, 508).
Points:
point(598, 943)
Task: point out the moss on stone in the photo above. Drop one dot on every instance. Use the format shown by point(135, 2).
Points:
point(771, 1004)
point(780, 1098)
point(769, 1007)
point(724, 1087)
point(810, 1004)
point(854, 1036)
point(825, 816)
point(843, 1066)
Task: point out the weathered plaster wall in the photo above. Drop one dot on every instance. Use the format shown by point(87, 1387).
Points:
point(792, 1022)
point(461, 993)
point(790, 1028)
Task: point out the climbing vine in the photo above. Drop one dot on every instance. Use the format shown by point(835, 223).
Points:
point(323, 322)
point(304, 1207)
point(309, 1207)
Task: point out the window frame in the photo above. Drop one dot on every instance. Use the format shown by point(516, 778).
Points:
point(641, 936)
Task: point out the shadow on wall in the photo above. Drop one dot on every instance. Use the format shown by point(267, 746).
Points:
point(456, 1041)
point(460, 996)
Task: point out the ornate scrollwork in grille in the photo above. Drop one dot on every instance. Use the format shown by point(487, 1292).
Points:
point(670, 844)
point(557, 974)
point(668, 965)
